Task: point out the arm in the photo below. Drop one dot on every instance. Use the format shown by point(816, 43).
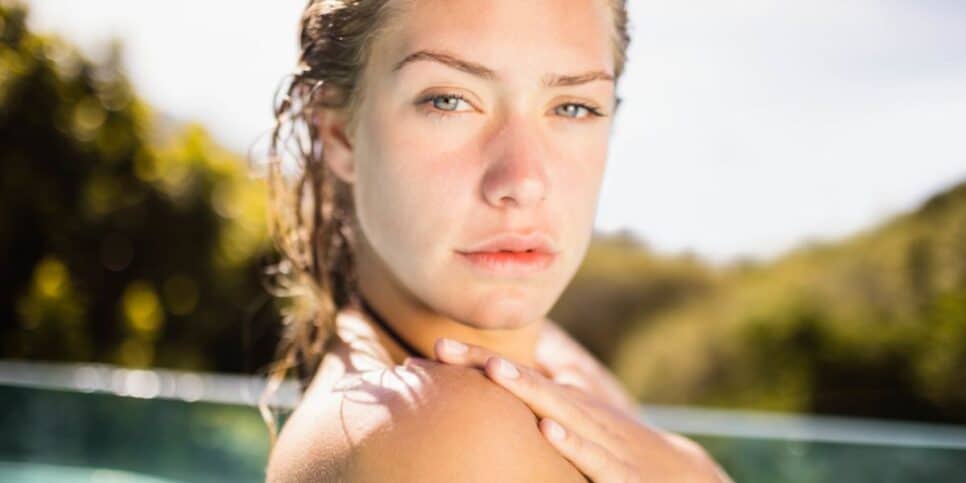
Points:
point(311, 446)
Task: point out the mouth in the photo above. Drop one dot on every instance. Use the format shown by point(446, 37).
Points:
point(508, 262)
point(511, 254)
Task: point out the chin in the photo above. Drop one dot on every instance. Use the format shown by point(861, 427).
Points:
point(500, 309)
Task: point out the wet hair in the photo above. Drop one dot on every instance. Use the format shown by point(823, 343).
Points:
point(311, 217)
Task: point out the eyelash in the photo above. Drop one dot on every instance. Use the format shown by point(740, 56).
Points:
point(592, 111)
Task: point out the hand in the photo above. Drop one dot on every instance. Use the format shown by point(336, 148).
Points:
point(604, 442)
point(568, 362)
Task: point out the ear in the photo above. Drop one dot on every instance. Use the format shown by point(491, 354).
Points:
point(337, 146)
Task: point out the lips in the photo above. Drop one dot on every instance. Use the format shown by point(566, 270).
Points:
point(514, 242)
point(511, 254)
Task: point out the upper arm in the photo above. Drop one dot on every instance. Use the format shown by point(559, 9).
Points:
point(309, 448)
point(464, 428)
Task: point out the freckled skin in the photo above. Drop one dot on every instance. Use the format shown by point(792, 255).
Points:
point(427, 182)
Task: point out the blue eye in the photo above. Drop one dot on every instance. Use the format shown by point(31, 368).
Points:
point(573, 110)
point(450, 103)
point(444, 102)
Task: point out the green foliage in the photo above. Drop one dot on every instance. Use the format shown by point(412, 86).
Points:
point(119, 246)
point(874, 326)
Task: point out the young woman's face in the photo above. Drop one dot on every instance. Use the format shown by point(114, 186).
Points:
point(514, 141)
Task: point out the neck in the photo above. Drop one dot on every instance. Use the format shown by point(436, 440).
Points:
point(420, 326)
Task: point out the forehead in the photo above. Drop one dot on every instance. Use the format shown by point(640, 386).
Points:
point(515, 38)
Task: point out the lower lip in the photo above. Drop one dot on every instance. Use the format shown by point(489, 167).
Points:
point(509, 263)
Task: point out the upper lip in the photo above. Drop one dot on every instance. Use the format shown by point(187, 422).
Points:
point(515, 242)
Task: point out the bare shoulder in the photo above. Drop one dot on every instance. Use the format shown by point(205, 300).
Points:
point(458, 426)
point(423, 423)
point(310, 446)
point(332, 418)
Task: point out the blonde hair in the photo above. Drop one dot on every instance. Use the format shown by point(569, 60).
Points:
point(311, 213)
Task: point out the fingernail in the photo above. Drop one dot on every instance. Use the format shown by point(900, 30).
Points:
point(556, 430)
point(505, 369)
point(453, 347)
point(414, 360)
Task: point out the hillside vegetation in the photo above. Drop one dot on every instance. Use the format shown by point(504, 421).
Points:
point(873, 325)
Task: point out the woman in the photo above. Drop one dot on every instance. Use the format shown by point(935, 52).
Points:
point(451, 153)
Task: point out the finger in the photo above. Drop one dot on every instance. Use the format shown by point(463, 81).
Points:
point(549, 399)
point(558, 352)
point(451, 351)
point(571, 377)
point(592, 459)
point(544, 397)
point(455, 352)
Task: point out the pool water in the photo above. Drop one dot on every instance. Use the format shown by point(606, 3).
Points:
point(44, 473)
point(55, 436)
point(750, 460)
point(51, 435)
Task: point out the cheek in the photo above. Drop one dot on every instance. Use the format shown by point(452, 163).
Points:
point(579, 177)
point(577, 182)
point(411, 193)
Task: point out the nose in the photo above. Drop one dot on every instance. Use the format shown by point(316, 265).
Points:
point(516, 175)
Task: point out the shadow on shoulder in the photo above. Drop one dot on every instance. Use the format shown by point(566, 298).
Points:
point(422, 422)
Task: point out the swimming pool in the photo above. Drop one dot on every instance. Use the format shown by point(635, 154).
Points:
point(103, 424)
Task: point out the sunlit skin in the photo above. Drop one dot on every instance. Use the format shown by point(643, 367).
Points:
point(478, 118)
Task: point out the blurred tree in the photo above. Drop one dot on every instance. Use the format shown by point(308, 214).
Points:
point(117, 246)
point(874, 325)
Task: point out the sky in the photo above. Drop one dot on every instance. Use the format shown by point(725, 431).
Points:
point(747, 128)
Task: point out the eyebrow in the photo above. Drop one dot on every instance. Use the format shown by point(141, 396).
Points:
point(479, 70)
